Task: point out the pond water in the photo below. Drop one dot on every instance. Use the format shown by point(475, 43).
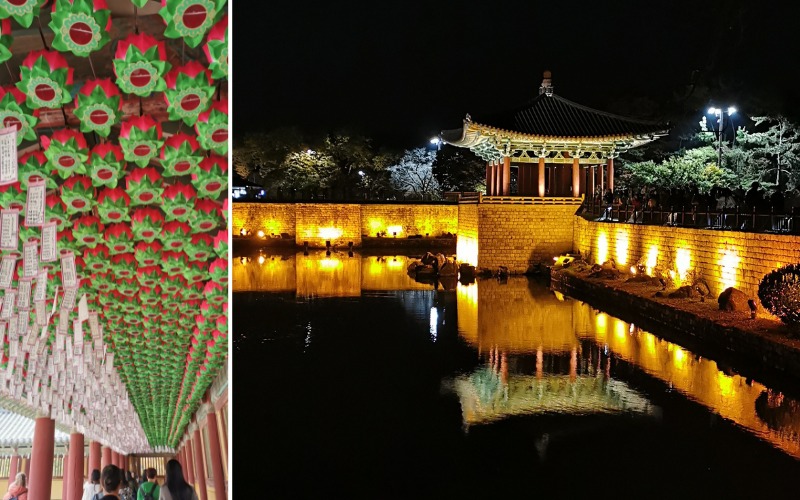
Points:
point(350, 378)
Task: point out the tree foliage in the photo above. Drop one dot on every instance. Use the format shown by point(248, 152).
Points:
point(458, 169)
point(413, 175)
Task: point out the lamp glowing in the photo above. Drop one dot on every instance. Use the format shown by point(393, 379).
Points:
point(731, 110)
point(261, 234)
point(712, 111)
point(435, 141)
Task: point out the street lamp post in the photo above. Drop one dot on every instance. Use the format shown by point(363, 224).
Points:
point(720, 114)
point(437, 142)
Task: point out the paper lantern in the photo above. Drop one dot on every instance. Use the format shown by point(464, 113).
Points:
point(112, 205)
point(178, 201)
point(146, 223)
point(196, 271)
point(149, 276)
point(96, 259)
point(66, 240)
point(66, 151)
point(212, 128)
point(106, 164)
point(33, 166)
point(211, 178)
point(77, 193)
point(55, 210)
point(175, 235)
point(140, 63)
point(190, 19)
point(12, 196)
point(98, 106)
point(128, 287)
point(22, 11)
point(173, 263)
point(218, 269)
point(199, 247)
point(189, 92)
point(149, 295)
point(180, 155)
point(206, 215)
point(123, 265)
point(80, 26)
point(45, 79)
point(15, 113)
point(216, 49)
point(194, 290)
point(148, 253)
point(87, 231)
point(221, 244)
point(140, 138)
point(119, 238)
point(143, 185)
point(172, 284)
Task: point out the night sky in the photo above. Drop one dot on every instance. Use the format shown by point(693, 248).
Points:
point(401, 71)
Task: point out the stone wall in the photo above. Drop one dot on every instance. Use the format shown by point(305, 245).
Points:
point(722, 258)
point(522, 236)
point(334, 222)
point(272, 218)
point(409, 220)
point(467, 240)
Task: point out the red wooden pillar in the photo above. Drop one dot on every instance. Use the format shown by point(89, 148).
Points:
point(65, 474)
point(200, 466)
point(14, 467)
point(75, 461)
point(94, 457)
point(496, 183)
point(488, 178)
point(541, 177)
point(576, 177)
point(506, 175)
point(216, 458)
point(28, 466)
point(105, 459)
point(115, 458)
point(41, 475)
point(611, 174)
point(189, 461)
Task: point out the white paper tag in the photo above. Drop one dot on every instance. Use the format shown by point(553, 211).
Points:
point(9, 229)
point(49, 239)
point(40, 292)
point(77, 332)
point(34, 203)
point(8, 304)
point(23, 323)
point(24, 294)
point(41, 312)
point(83, 308)
point(94, 326)
point(63, 321)
point(68, 300)
point(8, 156)
point(69, 279)
point(30, 259)
point(7, 270)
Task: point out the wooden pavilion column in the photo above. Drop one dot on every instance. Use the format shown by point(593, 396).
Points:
point(489, 178)
point(506, 175)
point(200, 472)
point(594, 181)
point(189, 462)
point(40, 481)
point(611, 174)
point(576, 177)
point(74, 477)
point(541, 177)
point(13, 468)
point(216, 457)
point(115, 458)
point(498, 179)
point(94, 457)
point(105, 458)
point(65, 473)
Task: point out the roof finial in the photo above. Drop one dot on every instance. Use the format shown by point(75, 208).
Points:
point(547, 84)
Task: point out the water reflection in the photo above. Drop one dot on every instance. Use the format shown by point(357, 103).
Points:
point(543, 353)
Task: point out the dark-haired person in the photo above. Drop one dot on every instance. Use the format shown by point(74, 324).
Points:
point(125, 492)
point(175, 487)
point(92, 486)
point(149, 489)
point(111, 479)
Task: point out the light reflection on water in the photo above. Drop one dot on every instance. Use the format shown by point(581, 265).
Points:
point(540, 352)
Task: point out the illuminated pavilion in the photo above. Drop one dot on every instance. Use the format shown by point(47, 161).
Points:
point(543, 137)
point(113, 248)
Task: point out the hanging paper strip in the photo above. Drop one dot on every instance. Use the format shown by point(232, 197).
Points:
point(216, 49)
point(80, 26)
point(98, 106)
point(35, 204)
point(45, 79)
point(22, 11)
point(212, 128)
point(140, 138)
point(146, 223)
point(190, 19)
point(15, 113)
point(77, 193)
point(189, 92)
point(140, 65)
point(112, 205)
point(180, 155)
point(212, 177)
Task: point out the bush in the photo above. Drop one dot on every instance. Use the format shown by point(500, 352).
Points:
point(779, 292)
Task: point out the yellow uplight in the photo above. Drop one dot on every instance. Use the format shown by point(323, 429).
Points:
point(652, 260)
point(602, 248)
point(260, 233)
point(683, 260)
point(600, 322)
point(467, 250)
point(329, 233)
point(679, 356)
point(376, 226)
point(622, 247)
point(330, 264)
point(394, 230)
point(261, 259)
point(619, 330)
point(729, 263)
point(395, 263)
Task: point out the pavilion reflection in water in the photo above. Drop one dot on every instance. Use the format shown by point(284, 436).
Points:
point(544, 353)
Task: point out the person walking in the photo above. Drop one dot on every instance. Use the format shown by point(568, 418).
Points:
point(111, 479)
point(18, 490)
point(92, 486)
point(150, 489)
point(175, 486)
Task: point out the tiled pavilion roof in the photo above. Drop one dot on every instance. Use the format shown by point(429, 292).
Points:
point(17, 431)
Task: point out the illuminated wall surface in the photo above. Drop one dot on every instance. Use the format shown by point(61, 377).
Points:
point(723, 258)
point(495, 319)
point(319, 275)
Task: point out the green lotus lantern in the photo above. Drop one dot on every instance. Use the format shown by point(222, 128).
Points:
point(112, 205)
point(216, 49)
point(206, 215)
point(221, 244)
point(80, 26)
point(87, 230)
point(148, 253)
point(178, 201)
point(98, 106)
point(171, 285)
point(55, 210)
point(15, 113)
point(140, 63)
point(140, 139)
point(128, 287)
point(106, 164)
point(33, 167)
point(196, 271)
point(218, 269)
point(189, 92)
point(66, 151)
point(180, 155)
point(45, 79)
point(212, 128)
point(175, 235)
point(77, 193)
point(146, 223)
point(12, 197)
point(123, 265)
point(194, 291)
point(22, 11)
point(66, 241)
point(149, 276)
point(211, 178)
point(173, 263)
point(96, 259)
point(199, 247)
point(190, 19)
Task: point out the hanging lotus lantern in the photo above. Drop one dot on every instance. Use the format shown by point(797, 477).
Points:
point(33, 166)
point(178, 201)
point(143, 185)
point(206, 215)
point(77, 194)
point(212, 177)
point(111, 313)
point(148, 253)
point(211, 309)
point(218, 269)
point(174, 235)
point(216, 49)
point(140, 138)
point(189, 92)
point(15, 113)
point(96, 259)
point(196, 271)
point(193, 291)
point(199, 247)
point(140, 63)
point(106, 164)
point(55, 210)
point(171, 285)
point(128, 287)
point(112, 205)
point(221, 244)
point(119, 239)
point(87, 231)
point(66, 240)
point(12, 196)
point(45, 79)
point(123, 265)
point(149, 295)
point(222, 324)
point(22, 11)
point(150, 311)
point(173, 263)
point(215, 293)
point(171, 302)
point(66, 151)
point(212, 128)
point(98, 106)
point(181, 155)
point(149, 276)
point(80, 26)
point(190, 19)
point(146, 223)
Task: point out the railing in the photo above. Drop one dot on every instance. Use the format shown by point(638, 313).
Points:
point(462, 196)
point(729, 219)
point(530, 200)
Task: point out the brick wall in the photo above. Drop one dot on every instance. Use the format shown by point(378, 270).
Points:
point(467, 241)
point(334, 222)
point(433, 220)
point(722, 258)
point(521, 236)
point(272, 218)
